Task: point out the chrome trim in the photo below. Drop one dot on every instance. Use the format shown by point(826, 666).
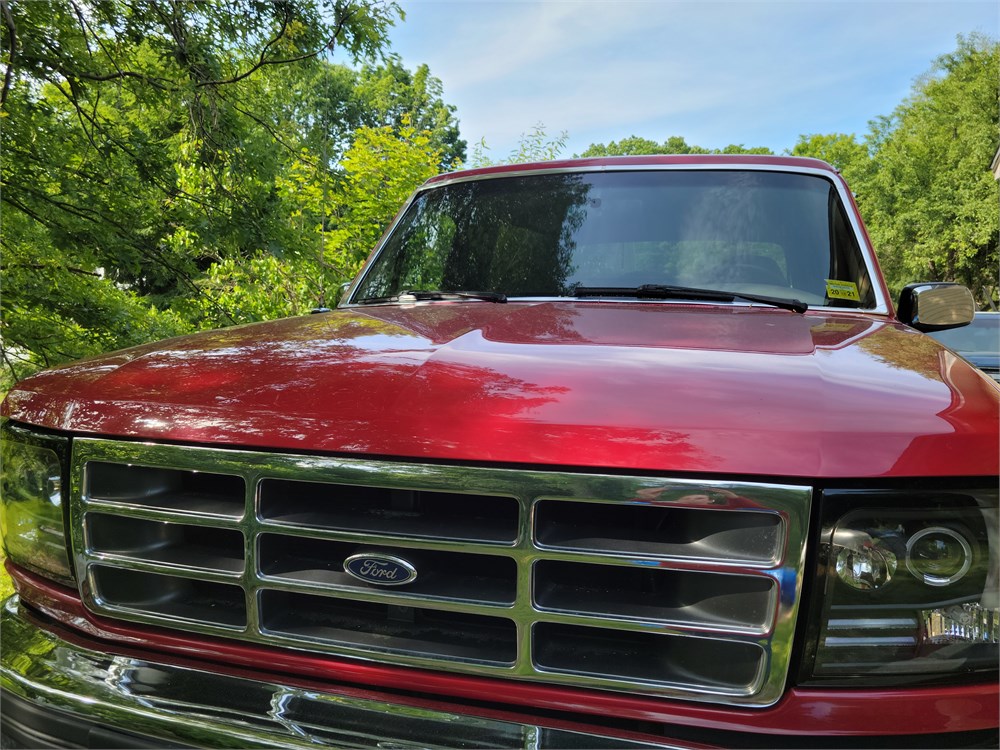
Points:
point(856, 623)
point(196, 707)
point(768, 632)
point(832, 641)
point(460, 177)
point(867, 251)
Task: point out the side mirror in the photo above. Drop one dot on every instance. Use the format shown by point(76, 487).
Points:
point(936, 306)
point(341, 291)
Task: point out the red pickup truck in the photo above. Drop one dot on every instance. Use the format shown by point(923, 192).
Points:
point(624, 453)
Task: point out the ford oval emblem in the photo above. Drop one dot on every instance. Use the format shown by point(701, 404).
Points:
point(382, 570)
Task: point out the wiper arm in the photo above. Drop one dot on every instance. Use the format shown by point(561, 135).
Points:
point(664, 291)
point(783, 303)
point(420, 295)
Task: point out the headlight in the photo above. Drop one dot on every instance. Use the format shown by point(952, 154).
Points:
point(32, 494)
point(909, 586)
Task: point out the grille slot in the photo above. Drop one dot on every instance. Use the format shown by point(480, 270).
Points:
point(694, 663)
point(671, 587)
point(656, 594)
point(486, 579)
point(397, 512)
point(199, 547)
point(733, 536)
point(167, 489)
point(188, 599)
point(383, 627)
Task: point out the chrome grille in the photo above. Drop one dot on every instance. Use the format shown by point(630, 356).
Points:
point(658, 586)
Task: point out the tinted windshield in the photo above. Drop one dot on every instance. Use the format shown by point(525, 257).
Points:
point(757, 232)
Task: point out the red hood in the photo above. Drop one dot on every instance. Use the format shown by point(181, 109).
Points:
point(643, 387)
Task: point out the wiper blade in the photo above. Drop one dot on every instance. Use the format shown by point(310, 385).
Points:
point(420, 295)
point(432, 294)
point(653, 291)
point(664, 291)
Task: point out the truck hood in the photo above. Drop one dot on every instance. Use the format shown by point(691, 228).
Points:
point(660, 387)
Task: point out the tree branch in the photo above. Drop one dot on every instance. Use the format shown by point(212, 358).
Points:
point(43, 267)
point(267, 127)
point(145, 172)
point(8, 77)
point(83, 117)
point(83, 27)
point(154, 81)
point(282, 61)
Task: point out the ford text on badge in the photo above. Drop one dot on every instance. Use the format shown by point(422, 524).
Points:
point(383, 570)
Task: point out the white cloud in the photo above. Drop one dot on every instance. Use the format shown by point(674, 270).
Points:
point(494, 41)
point(758, 73)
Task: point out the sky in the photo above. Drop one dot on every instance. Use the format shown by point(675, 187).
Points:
point(754, 72)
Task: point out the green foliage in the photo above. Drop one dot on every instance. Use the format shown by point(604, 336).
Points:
point(929, 197)
point(393, 96)
point(634, 146)
point(843, 152)
point(631, 146)
point(333, 101)
point(337, 218)
point(173, 165)
point(58, 305)
point(535, 145)
point(245, 290)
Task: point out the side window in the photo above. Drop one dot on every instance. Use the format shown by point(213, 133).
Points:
point(846, 261)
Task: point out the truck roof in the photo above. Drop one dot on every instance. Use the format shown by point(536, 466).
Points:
point(619, 162)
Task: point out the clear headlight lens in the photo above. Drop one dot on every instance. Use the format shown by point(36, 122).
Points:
point(32, 472)
point(938, 555)
point(911, 590)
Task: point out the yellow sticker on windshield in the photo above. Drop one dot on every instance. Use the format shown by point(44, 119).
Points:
point(842, 290)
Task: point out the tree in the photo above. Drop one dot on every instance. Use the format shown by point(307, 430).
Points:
point(930, 199)
point(635, 146)
point(122, 119)
point(338, 218)
point(390, 95)
point(843, 152)
point(535, 145)
point(631, 146)
point(92, 315)
point(334, 101)
point(152, 153)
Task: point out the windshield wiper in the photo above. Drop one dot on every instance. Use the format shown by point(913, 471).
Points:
point(663, 291)
point(431, 294)
point(421, 295)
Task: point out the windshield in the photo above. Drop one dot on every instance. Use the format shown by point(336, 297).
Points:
point(547, 235)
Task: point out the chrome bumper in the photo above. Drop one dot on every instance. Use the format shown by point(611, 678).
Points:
point(181, 706)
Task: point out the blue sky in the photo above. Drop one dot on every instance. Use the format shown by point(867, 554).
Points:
point(750, 72)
